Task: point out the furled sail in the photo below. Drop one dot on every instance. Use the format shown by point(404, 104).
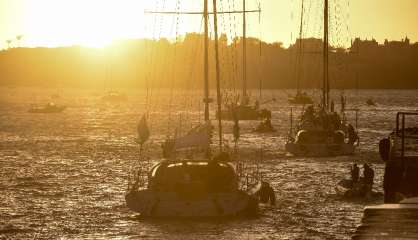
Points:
point(198, 137)
point(143, 130)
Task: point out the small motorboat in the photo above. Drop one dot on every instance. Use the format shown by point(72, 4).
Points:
point(265, 127)
point(243, 112)
point(347, 190)
point(195, 188)
point(301, 98)
point(113, 96)
point(48, 108)
point(370, 102)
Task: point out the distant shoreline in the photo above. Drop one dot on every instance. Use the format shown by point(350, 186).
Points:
point(162, 64)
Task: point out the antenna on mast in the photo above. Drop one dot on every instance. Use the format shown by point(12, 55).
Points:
point(325, 87)
point(218, 76)
point(206, 60)
point(244, 53)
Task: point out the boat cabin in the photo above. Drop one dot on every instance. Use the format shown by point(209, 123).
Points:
point(204, 175)
point(400, 153)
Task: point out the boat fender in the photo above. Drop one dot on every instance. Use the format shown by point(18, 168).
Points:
point(384, 149)
point(266, 194)
point(154, 206)
point(218, 206)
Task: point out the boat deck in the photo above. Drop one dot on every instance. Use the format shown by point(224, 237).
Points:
point(389, 221)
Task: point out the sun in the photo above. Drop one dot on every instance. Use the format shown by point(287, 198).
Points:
point(93, 23)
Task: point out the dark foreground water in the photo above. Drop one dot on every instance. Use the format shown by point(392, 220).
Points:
point(64, 175)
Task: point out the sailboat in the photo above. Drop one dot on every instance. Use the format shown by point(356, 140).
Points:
point(196, 188)
point(242, 109)
point(47, 108)
point(301, 97)
point(370, 102)
point(322, 131)
point(114, 96)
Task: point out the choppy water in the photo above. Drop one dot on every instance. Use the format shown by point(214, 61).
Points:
point(64, 175)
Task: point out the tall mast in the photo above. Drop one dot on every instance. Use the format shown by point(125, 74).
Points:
point(244, 52)
point(206, 60)
point(218, 76)
point(325, 87)
point(299, 60)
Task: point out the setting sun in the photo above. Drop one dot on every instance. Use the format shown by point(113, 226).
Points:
point(94, 23)
point(208, 119)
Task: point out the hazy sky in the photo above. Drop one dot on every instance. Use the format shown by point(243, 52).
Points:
point(98, 22)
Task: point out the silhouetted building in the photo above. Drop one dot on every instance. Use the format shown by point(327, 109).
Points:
point(359, 45)
point(134, 63)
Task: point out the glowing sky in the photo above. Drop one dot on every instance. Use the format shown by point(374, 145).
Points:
point(98, 22)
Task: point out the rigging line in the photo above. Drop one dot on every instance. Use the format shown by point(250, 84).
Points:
point(189, 97)
point(198, 49)
point(151, 53)
point(158, 21)
point(299, 55)
point(259, 51)
point(199, 13)
point(173, 75)
point(226, 54)
point(325, 100)
point(151, 61)
point(230, 51)
point(218, 80)
point(234, 59)
point(244, 54)
point(159, 56)
point(222, 49)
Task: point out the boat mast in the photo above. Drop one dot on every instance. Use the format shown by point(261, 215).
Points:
point(325, 87)
point(244, 52)
point(218, 76)
point(299, 63)
point(206, 60)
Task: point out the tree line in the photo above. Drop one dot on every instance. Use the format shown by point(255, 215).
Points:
point(164, 64)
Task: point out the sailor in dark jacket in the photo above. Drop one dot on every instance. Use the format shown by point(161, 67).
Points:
point(368, 177)
point(355, 172)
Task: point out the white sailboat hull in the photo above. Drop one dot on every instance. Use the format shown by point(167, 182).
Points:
point(319, 149)
point(150, 203)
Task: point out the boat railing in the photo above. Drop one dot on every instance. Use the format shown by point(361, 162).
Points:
point(408, 136)
point(356, 111)
point(138, 176)
point(249, 173)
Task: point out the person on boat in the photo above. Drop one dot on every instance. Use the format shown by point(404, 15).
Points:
point(245, 100)
point(392, 181)
point(256, 105)
point(309, 114)
point(216, 178)
point(352, 135)
point(222, 157)
point(368, 177)
point(323, 119)
point(355, 172)
point(267, 123)
point(265, 126)
point(335, 121)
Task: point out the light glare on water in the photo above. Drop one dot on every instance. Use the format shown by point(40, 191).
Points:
point(64, 175)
